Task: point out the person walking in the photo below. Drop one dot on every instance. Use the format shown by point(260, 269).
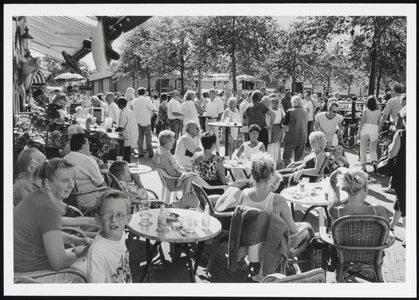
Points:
point(175, 116)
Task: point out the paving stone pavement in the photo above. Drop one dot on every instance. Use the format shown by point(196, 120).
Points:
point(394, 266)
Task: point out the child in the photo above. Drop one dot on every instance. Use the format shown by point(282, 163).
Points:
point(130, 183)
point(108, 258)
point(277, 132)
point(338, 159)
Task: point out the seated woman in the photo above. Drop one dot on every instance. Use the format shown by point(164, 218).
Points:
point(262, 196)
point(355, 183)
point(208, 165)
point(38, 239)
point(338, 159)
point(130, 183)
point(247, 149)
point(312, 164)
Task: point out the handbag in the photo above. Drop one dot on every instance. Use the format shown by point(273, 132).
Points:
point(385, 164)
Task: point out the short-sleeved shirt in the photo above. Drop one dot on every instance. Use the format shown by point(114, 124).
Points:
point(297, 119)
point(393, 106)
point(129, 125)
point(256, 114)
point(164, 160)
point(88, 176)
point(113, 112)
point(22, 187)
point(35, 215)
point(242, 109)
point(173, 106)
point(309, 106)
point(185, 149)
point(328, 125)
point(108, 261)
point(143, 110)
point(215, 108)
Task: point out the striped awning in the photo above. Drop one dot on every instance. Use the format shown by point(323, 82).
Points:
point(41, 77)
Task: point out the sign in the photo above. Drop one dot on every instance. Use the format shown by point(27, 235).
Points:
point(318, 88)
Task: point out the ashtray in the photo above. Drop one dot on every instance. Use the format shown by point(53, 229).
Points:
point(171, 217)
point(176, 226)
point(298, 196)
point(162, 229)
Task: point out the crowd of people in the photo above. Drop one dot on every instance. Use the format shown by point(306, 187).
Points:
point(276, 128)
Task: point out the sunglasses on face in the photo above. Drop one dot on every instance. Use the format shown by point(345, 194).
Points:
point(109, 216)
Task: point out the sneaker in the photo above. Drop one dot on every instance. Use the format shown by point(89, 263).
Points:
point(141, 155)
point(389, 190)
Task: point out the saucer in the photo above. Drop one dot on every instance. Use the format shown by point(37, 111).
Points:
point(146, 224)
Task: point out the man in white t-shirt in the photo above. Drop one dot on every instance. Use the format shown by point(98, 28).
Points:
point(242, 108)
point(187, 145)
point(88, 175)
point(143, 110)
point(175, 116)
point(393, 106)
point(327, 122)
point(113, 109)
point(215, 110)
point(309, 107)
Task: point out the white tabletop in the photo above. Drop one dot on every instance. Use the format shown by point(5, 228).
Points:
point(173, 235)
point(317, 198)
point(225, 124)
point(235, 164)
point(139, 169)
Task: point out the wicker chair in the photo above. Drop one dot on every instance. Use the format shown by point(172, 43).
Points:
point(223, 217)
point(360, 242)
point(312, 276)
point(67, 275)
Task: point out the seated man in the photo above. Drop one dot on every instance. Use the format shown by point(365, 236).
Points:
point(27, 161)
point(187, 145)
point(88, 175)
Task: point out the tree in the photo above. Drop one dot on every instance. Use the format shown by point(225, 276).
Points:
point(231, 35)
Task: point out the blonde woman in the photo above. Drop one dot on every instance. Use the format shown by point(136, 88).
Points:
point(130, 96)
point(190, 109)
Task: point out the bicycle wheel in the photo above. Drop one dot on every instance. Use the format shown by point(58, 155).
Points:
point(349, 136)
point(385, 139)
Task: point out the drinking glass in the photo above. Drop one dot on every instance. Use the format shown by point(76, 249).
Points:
point(194, 211)
point(190, 222)
point(227, 120)
point(301, 185)
point(145, 205)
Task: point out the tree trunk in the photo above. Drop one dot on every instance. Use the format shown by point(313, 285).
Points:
point(378, 83)
point(374, 57)
point(182, 70)
point(233, 69)
point(199, 81)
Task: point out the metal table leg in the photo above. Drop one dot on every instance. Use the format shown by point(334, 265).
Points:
point(149, 255)
point(188, 256)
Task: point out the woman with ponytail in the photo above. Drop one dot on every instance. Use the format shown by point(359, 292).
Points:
point(38, 239)
point(355, 183)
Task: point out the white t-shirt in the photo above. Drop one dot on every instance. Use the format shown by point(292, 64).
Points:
point(113, 112)
point(127, 121)
point(108, 261)
point(309, 107)
point(185, 149)
point(88, 176)
point(328, 125)
point(173, 106)
point(189, 113)
point(242, 109)
point(215, 108)
point(143, 108)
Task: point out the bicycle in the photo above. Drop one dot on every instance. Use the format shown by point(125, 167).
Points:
point(386, 136)
point(349, 136)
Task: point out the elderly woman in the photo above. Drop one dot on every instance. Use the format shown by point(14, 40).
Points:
point(312, 165)
point(233, 115)
point(190, 109)
point(355, 183)
point(208, 165)
point(164, 160)
point(262, 196)
point(256, 114)
point(38, 240)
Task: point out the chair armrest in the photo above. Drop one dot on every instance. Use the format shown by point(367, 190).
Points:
point(99, 189)
point(222, 214)
point(74, 230)
point(165, 175)
point(48, 272)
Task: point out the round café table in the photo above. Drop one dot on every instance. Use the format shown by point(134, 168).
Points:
point(316, 199)
point(227, 126)
point(231, 165)
point(139, 169)
point(173, 236)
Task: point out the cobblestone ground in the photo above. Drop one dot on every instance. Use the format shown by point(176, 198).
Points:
point(394, 267)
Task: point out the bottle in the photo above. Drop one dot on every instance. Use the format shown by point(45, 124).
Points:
point(161, 219)
point(206, 217)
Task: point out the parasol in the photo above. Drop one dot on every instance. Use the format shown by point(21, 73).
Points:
point(68, 77)
point(245, 77)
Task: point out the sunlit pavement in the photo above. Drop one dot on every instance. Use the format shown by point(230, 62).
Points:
point(394, 267)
